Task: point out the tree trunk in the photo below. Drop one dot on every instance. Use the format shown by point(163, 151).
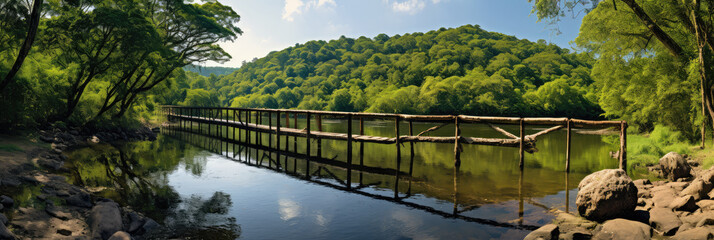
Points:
point(27, 45)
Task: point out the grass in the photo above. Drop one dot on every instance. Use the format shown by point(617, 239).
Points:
point(10, 148)
point(648, 149)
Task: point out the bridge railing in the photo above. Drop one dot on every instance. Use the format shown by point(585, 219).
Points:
point(243, 119)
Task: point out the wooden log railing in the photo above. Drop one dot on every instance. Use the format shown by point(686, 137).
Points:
point(526, 143)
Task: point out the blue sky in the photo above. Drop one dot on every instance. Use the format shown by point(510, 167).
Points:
point(271, 25)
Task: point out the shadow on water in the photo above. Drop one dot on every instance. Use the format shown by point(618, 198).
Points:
point(135, 175)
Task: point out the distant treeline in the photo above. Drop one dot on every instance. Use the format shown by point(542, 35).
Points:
point(207, 71)
point(463, 70)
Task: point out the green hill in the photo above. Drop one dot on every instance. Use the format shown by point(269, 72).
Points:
point(464, 70)
point(207, 71)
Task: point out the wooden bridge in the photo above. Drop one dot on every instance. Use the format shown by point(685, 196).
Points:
point(254, 120)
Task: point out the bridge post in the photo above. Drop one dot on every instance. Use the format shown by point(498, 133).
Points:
point(567, 146)
point(361, 147)
point(295, 123)
point(307, 143)
point(349, 151)
point(411, 157)
point(521, 144)
point(399, 156)
point(277, 139)
point(270, 138)
point(457, 143)
point(318, 120)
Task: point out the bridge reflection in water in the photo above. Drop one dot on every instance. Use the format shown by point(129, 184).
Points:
point(250, 148)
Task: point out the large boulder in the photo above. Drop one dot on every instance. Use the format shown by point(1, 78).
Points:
point(624, 229)
point(547, 232)
point(674, 166)
point(606, 194)
point(105, 220)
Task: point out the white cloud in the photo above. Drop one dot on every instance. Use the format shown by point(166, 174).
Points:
point(296, 7)
point(292, 7)
point(408, 6)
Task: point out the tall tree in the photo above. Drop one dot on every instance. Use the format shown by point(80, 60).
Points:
point(682, 29)
point(7, 10)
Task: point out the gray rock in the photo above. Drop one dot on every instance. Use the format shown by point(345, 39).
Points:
point(664, 220)
point(678, 186)
point(135, 222)
point(151, 225)
point(53, 211)
point(642, 182)
point(606, 194)
point(6, 201)
point(547, 232)
point(47, 139)
point(120, 235)
point(694, 234)
point(674, 166)
point(624, 229)
point(105, 219)
point(698, 189)
point(5, 234)
point(3, 219)
point(686, 203)
point(79, 199)
point(11, 182)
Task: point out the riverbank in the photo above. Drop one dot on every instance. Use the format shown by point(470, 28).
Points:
point(38, 202)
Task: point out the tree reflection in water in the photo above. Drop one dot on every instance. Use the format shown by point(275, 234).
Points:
point(136, 175)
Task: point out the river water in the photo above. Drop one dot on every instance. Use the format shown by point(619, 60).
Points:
point(201, 186)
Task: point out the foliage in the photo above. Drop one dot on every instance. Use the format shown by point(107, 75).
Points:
point(207, 71)
point(109, 62)
point(463, 70)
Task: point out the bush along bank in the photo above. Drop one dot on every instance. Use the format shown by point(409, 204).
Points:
point(54, 208)
point(612, 206)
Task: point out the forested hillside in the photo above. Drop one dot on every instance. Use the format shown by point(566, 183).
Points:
point(464, 70)
point(207, 71)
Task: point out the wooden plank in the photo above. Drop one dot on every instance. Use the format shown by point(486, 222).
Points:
point(623, 145)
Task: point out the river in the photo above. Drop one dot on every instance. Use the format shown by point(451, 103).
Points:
point(195, 183)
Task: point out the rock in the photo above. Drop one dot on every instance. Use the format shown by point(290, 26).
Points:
point(79, 199)
point(5, 233)
point(151, 225)
point(53, 211)
point(6, 201)
point(678, 186)
point(698, 189)
point(11, 182)
point(606, 194)
point(577, 234)
point(136, 222)
point(664, 220)
point(120, 235)
point(694, 234)
point(642, 182)
point(3, 219)
point(47, 139)
point(624, 229)
point(105, 219)
point(706, 205)
point(686, 203)
point(706, 221)
point(693, 163)
point(50, 163)
point(674, 166)
point(547, 232)
point(64, 232)
point(94, 139)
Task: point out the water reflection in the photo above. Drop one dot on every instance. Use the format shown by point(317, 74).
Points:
point(136, 175)
point(178, 180)
point(464, 195)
